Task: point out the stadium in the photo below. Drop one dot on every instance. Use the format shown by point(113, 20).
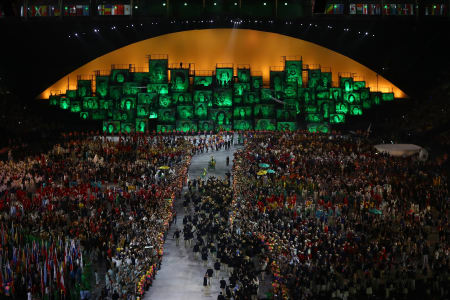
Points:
point(229, 149)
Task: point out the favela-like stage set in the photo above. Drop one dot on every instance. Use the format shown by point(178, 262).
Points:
point(176, 97)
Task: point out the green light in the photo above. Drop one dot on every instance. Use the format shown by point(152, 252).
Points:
point(87, 8)
point(185, 3)
point(434, 6)
point(215, 3)
point(264, 3)
point(385, 6)
point(335, 6)
point(164, 4)
point(66, 8)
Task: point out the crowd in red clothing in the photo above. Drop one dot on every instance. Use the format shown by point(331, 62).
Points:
point(108, 200)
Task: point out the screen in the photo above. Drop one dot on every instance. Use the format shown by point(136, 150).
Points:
point(257, 83)
point(242, 125)
point(186, 126)
point(314, 77)
point(141, 125)
point(242, 112)
point(185, 112)
point(287, 126)
point(165, 128)
point(142, 101)
point(264, 111)
point(147, 99)
point(84, 88)
point(223, 98)
point(119, 75)
point(243, 75)
point(276, 80)
point(265, 124)
point(202, 81)
point(101, 86)
point(221, 116)
point(205, 125)
point(130, 88)
point(181, 98)
point(294, 71)
point(158, 70)
point(201, 111)
point(179, 79)
point(346, 83)
point(166, 115)
point(224, 76)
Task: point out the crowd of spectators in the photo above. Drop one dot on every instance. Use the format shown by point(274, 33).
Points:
point(340, 221)
point(86, 203)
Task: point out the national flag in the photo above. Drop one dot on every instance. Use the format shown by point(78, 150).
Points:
point(72, 10)
point(375, 9)
point(353, 9)
point(117, 10)
point(365, 9)
point(107, 9)
point(127, 9)
point(79, 10)
point(55, 11)
point(100, 10)
point(62, 285)
point(386, 9)
point(45, 273)
point(359, 8)
point(42, 283)
point(85, 12)
point(329, 10)
point(393, 9)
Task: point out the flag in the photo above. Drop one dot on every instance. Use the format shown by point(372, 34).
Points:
point(42, 283)
point(353, 9)
point(85, 12)
point(100, 10)
point(45, 273)
point(62, 285)
point(127, 9)
point(329, 10)
point(375, 9)
point(365, 9)
point(107, 9)
point(359, 8)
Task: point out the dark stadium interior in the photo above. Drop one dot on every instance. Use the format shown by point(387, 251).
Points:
point(305, 202)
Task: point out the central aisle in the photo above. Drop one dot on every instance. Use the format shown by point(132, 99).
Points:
point(181, 276)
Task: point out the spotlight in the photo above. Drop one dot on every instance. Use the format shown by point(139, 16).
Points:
point(235, 3)
point(76, 34)
point(164, 4)
point(264, 3)
point(136, 7)
point(185, 3)
point(215, 3)
point(285, 3)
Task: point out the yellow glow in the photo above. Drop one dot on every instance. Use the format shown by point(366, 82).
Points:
point(205, 48)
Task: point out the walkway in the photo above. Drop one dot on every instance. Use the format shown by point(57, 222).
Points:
point(181, 276)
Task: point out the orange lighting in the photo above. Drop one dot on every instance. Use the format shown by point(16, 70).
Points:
point(205, 48)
